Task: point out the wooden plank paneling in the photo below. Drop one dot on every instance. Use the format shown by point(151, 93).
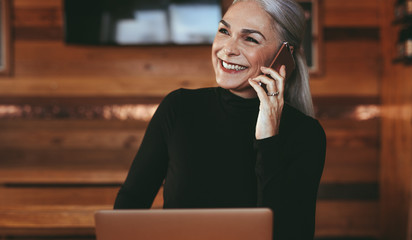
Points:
point(347, 218)
point(38, 17)
point(85, 71)
point(58, 4)
point(350, 33)
point(108, 62)
point(26, 176)
point(344, 191)
point(38, 33)
point(58, 196)
point(67, 220)
point(71, 237)
point(396, 128)
point(350, 133)
point(69, 159)
point(351, 68)
point(351, 165)
point(38, 20)
point(78, 144)
point(70, 139)
point(55, 124)
point(338, 13)
point(339, 168)
point(71, 135)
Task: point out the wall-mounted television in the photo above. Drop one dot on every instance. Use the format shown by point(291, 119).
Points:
point(141, 22)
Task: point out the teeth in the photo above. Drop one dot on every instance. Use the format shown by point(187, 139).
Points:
point(232, 67)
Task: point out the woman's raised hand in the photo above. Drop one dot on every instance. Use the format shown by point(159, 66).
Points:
point(271, 101)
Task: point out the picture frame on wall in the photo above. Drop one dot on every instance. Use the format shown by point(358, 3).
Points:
point(312, 42)
point(5, 38)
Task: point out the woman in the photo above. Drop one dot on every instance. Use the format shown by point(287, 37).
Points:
point(237, 145)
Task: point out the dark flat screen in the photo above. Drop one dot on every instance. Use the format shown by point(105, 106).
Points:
point(141, 22)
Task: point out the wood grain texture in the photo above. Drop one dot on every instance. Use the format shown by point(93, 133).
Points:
point(78, 159)
point(396, 141)
point(46, 176)
point(71, 139)
point(34, 17)
point(346, 191)
point(346, 218)
point(352, 154)
point(338, 13)
point(67, 220)
point(58, 4)
point(148, 77)
point(351, 68)
point(57, 196)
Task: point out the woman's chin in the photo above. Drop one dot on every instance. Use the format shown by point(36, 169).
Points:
point(227, 84)
point(241, 89)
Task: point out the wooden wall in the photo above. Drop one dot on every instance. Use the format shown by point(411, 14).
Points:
point(396, 128)
point(68, 132)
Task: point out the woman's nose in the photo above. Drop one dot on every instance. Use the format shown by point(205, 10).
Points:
point(231, 49)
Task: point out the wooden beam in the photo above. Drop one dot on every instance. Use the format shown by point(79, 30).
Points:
point(396, 151)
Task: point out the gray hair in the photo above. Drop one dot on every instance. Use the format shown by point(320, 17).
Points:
point(289, 23)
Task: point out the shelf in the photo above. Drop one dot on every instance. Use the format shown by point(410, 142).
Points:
point(402, 60)
point(405, 20)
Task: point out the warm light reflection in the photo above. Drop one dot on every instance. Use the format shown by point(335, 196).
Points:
point(143, 112)
point(397, 111)
point(10, 110)
point(124, 112)
point(366, 112)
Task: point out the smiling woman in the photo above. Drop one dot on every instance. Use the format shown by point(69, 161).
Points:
point(242, 46)
point(239, 144)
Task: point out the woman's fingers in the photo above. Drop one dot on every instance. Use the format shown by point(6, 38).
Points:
point(277, 81)
point(262, 95)
point(273, 73)
point(269, 84)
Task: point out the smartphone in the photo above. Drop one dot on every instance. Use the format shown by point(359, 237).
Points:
point(284, 56)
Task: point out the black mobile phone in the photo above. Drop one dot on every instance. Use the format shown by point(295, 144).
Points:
point(284, 56)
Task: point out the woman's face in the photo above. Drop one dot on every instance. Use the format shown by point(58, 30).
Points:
point(245, 41)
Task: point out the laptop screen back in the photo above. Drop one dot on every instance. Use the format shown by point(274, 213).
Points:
point(184, 224)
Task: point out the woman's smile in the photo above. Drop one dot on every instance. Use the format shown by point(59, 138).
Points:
point(231, 67)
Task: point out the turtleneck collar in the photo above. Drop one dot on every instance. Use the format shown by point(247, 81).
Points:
point(236, 101)
point(236, 105)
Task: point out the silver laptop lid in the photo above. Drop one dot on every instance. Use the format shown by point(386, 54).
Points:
point(184, 224)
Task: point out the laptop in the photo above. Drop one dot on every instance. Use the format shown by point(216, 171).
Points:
point(184, 224)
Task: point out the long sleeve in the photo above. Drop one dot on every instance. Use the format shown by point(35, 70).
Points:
point(288, 168)
point(149, 166)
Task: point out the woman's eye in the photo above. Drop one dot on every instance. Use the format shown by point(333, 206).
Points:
point(224, 31)
point(250, 39)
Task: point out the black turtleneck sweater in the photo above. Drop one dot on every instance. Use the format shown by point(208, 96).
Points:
point(202, 144)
